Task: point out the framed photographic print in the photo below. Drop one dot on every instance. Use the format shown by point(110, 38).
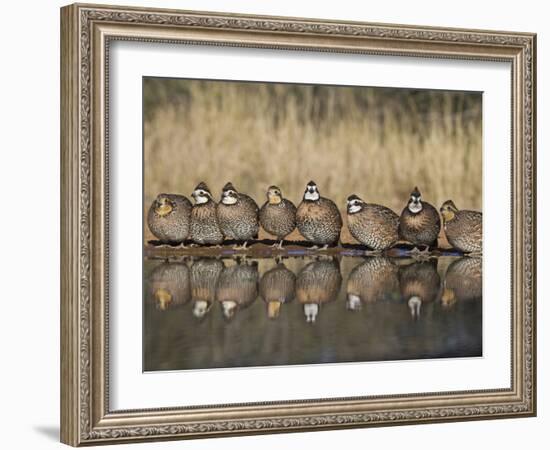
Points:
point(275, 224)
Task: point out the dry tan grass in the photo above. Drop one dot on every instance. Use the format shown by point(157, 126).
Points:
point(375, 143)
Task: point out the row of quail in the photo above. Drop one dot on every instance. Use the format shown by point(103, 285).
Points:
point(379, 228)
point(237, 217)
point(172, 219)
point(207, 281)
point(375, 279)
point(236, 286)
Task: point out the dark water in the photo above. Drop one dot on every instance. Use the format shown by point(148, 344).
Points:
point(207, 313)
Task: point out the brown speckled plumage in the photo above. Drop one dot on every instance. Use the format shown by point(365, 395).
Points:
point(277, 286)
point(278, 219)
point(205, 228)
point(463, 280)
point(204, 224)
point(174, 226)
point(375, 279)
point(420, 228)
point(169, 285)
point(463, 228)
point(239, 221)
point(372, 225)
point(318, 282)
point(238, 283)
point(205, 273)
point(319, 220)
point(420, 279)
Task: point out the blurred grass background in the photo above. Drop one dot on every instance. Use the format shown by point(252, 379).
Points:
point(375, 142)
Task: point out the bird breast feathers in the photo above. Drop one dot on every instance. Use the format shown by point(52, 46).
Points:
point(319, 210)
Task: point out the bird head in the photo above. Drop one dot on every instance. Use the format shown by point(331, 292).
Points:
point(202, 194)
point(163, 205)
point(230, 196)
point(415, 201)
point(274, 195)
point(312, 192)
point(448, 210)
point(354, 204)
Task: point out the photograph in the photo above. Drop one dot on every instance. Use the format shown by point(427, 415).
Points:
point(288, 223)
point(296, 224)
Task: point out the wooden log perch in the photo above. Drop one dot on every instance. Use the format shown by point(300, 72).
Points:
point(264, 248)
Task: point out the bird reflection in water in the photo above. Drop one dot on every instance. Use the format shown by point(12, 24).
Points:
point(317, 283)
point(367, 320)
point(375, 279)
point(169, 285)
point(205, 273)
point(237, 287)
point(463, 281)
point(420, 284)
point(277, 287)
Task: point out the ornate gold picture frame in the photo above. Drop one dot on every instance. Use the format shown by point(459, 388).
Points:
point(87, 31)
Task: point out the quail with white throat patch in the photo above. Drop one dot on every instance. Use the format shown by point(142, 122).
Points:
point(375, 279)
point(317, 283)
point(238, 216)
point(419, 284)
point(237, 288)
point(318, 218)
point(205, 273)
point(373, 225)
point(419, 223)
point(205, 228)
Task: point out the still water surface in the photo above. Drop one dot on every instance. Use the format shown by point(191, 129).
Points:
point(213, 313)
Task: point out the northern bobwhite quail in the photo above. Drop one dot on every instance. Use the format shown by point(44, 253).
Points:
point(277, 286)
point(205, 273)
point(317, 283)
point(237, 288)
point(463, 228)
point(238, 215)
point(278, 215)
point(205, 228)
point(169, 285)
point(375, 279)
point(373, 225)
point(318, 218)
point(419, 222)
point(463, 281)
point(419, 284)
point(169, 218)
